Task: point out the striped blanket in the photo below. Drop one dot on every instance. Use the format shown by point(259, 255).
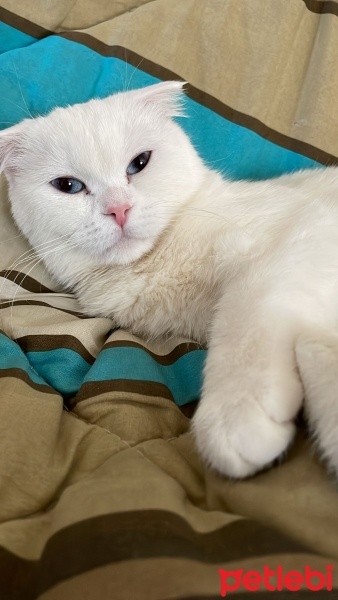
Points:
point(102, 493)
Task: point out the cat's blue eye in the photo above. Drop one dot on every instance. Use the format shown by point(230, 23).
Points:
point(68, 185)
point(138, 163)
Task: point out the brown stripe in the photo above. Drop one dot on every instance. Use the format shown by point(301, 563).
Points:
point(166, 359)
point(22, 375)
point(162, 533)
point(136, 534)
point(261, 129)
point(8, 304)
point(30, 284)
point(205, 99)
point(144, 388)
point(43, 343)
point(322, 7)
point(196, 94)
point(189, 409)
point(96, 388)
point(22, 24)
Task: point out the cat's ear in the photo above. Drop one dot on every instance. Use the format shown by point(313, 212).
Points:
point(166, 97)
point(9, 146)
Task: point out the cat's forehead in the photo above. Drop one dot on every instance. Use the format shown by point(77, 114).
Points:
point(119, 115)
point(117, 109)
point(117, 125)
point(100, 133)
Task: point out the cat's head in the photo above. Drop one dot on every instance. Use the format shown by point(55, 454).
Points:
point(101, 180)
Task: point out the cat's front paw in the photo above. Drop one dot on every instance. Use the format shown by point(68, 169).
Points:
point(238, 439)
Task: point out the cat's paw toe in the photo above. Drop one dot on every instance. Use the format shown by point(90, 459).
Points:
point(240, 445)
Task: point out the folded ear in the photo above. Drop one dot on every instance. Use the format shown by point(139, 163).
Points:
point(166, 96)
point(9, 146)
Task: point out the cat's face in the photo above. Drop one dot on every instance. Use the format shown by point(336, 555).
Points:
point(103, 178)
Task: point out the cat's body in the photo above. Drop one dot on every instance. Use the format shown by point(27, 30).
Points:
point(163, 245)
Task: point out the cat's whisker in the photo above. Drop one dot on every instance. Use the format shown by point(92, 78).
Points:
point(133, 73)
point(35, 262)
point(201, 212)
point(216, 160)
point(12, 268)
point(20, 88)
point(30, 251)
point(27, 257)
point(195, 212)
point(5, 241)
point(19, 107)
point(20, 262)
point(122, 68)
point(68, 245)
point(125, 70)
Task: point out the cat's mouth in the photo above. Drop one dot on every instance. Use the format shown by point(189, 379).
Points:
point(125, 248)
point(129, 235)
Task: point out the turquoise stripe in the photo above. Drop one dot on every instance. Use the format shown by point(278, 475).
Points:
point(63, 369)
point(183, 378)
point(12, 357)
point(237, 152)
point(56, 72)
point(11, 38)
point(66, 371)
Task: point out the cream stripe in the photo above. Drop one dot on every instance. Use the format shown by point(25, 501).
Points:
point(24, 320)
point(275, 61)
point(70, 14)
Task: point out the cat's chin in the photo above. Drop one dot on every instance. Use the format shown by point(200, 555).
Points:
point(127, 250)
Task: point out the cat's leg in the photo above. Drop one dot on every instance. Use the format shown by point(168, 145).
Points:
point(252, 391)
point(317, 358)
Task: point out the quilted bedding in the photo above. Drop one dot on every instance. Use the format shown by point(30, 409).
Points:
point(102, 493)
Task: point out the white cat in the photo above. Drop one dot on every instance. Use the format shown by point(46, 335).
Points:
point(146, 234)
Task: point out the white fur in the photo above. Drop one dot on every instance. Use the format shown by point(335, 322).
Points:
point(251, 268)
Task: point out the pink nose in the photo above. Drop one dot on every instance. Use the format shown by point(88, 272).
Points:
point(119, 213)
